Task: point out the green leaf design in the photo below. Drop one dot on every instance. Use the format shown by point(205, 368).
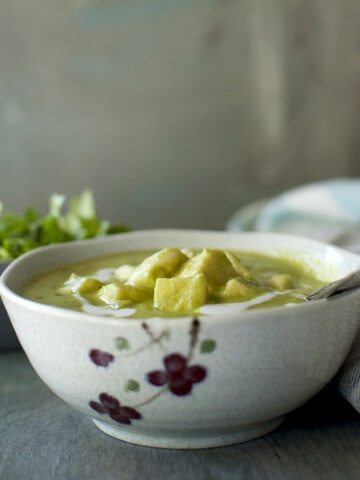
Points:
point(132, 386)
point(208, 345)
point(121, 343)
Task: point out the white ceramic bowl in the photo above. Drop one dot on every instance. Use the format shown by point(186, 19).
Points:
point(185, 383)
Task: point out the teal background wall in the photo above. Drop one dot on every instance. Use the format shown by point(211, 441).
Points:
point(176, 112)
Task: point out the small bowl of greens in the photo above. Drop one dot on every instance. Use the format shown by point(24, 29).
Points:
point(65, 221)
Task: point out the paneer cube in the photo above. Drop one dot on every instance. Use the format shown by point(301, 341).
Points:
point(237, 289)
point(76, 283)
point(238, 266)
point(164, 263)
point(180, 294)
point(89, 285)
point(282, 281)
point(124, 272)
point(112, 293)
point(213, 263)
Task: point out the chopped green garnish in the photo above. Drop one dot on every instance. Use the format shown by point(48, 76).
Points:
point(20, 233)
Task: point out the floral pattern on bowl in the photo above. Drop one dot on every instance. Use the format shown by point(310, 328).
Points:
point(178, 376)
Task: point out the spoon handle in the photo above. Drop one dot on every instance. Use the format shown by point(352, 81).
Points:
point(347, 283)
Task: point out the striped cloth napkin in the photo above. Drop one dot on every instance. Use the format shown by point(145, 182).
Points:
point(327, 211)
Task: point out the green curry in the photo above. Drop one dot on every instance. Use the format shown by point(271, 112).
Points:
point(172, 282)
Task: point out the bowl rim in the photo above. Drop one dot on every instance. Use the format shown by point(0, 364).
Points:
point(8, 293)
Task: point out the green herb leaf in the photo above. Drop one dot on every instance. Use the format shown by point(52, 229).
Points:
point(22, 232)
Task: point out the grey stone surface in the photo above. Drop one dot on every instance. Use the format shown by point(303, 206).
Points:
point(43, 438)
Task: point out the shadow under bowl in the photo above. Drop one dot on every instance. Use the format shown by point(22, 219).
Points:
point(8, 338)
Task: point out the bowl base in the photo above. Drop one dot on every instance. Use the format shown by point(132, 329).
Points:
point(192, 441)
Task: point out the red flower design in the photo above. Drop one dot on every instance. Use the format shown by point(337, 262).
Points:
point(100, 358)
point(112, 407)
point(179, 376)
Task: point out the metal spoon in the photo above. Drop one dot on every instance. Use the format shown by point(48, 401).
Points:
point(350, 282)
